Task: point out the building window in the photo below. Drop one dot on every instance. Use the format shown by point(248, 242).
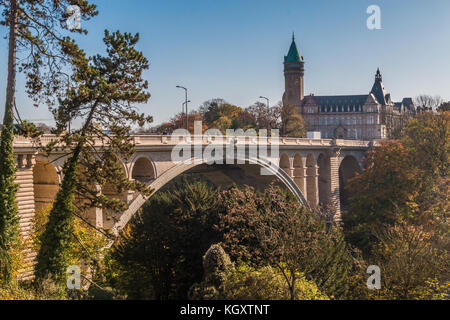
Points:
point(354, 120)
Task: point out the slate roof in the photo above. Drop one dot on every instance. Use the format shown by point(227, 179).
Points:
point(378, 89)
point(345, 102)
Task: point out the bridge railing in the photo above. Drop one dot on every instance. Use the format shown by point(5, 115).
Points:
point(164, 140)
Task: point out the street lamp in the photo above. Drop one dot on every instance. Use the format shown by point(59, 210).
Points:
point(187, 122)
point(185, 103)
point(268, 111)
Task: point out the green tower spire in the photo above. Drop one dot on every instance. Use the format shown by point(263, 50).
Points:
point(293, 55)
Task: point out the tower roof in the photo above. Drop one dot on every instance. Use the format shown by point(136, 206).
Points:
point(378, 89)
point(293, 55)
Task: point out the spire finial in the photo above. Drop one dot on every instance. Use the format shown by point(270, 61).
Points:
point(378, 75)
point(293, 36)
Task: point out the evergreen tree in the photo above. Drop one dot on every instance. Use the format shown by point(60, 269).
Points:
point(104, 90)
point(159, 255)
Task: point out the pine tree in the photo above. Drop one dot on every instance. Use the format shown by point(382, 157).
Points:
point(103, 91)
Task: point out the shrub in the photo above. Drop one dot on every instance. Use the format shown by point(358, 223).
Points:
point(222, 280)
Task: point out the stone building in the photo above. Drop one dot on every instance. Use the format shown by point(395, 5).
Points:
point(366, 116)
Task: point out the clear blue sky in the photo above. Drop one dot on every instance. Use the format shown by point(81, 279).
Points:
point(234, 49)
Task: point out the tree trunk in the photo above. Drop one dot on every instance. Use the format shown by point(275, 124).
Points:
point(293, 285)
point(12, 51)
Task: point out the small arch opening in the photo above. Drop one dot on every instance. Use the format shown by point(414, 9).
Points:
point(45, 184)
point(143, 171)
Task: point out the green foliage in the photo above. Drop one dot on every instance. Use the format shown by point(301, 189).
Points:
point(9, 220)
point(159, 255)
point(86, 248)
point(221, 280)
point(46, 290)
point(54, 256)
point(266, 283)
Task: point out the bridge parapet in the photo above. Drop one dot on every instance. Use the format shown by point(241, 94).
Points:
point(164, 140)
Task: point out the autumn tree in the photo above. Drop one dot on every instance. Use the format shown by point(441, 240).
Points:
point(265, 118)
point(403, 180)
point(411, 262)
point(381, 194)
point(103, 92)
point(293, 124)
point(219, 114)
point(35, 37)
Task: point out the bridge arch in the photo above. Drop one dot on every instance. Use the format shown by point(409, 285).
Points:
point(285, 163)
point(143, 170)
point(45, 184)
point(348, 169)
point(311, 180)
point(299, 172)
point(323, 162)
point(182, 167)
point(110, 217)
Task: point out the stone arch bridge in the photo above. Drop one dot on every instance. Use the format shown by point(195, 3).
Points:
point(314, 169)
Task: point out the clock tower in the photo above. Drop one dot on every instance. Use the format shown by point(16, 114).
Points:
point(294, 70)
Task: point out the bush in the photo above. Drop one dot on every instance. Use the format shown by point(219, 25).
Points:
point(222, 280)
point(266, 283)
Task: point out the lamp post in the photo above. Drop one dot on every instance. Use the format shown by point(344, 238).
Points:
point(185, 103)
point(268, 111)
point(187, 122)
